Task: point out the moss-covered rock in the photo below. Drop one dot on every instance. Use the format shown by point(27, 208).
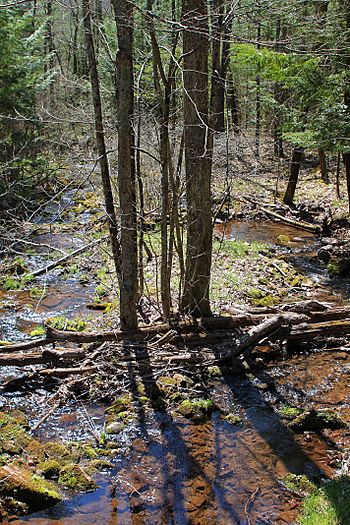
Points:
point(74, 477)
point(196, 408)
point(98, 465)
point(21, 484)
point(54, 450)
point(288, 412)
point(115, 427)
point(283, 240)
point(214, 371)
point(316, 420)
point(50, 469)
point(13, 437)
point(233, 419)
point(299, 484)
point(121, 404)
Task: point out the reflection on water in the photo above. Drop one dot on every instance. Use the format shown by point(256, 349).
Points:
point(177, 472)
point(265, 232)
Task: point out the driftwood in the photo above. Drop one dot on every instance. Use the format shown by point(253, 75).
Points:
point(297, 224)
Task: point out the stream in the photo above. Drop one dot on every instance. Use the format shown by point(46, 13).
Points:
point(168, 470)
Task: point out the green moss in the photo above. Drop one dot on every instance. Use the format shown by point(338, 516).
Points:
point(329, 505)
point(140, 389)
point(233, 419)
point(299, 484)
point(266, 301)
point(50, 468)
point(101, 290)
point(11, 283)
point(13, 438)
point(89, 452)
point(317, 420)
point(38, 332)
point(121, 404)
point(290, 412)
point(22, 484)
point(70, 325)
point(37, 293)
point(283, 240)
point(214, 371)
point(196, 408)
point(254, 293)
point(98, 465)
point(54, 450)
point(74, 477)
point(333, 268)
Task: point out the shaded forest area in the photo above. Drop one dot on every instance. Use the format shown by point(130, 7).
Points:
point(175, 259)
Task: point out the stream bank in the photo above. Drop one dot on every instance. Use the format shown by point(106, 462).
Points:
point(227, 465)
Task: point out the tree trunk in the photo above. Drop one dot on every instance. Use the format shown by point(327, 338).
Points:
point(198, 156)
point(346, 60)
point(323, 166)
point(219, 60)
point(126, 164)
point(100, 140)
point(297, 156)
point(337, 177)
point(346, 160)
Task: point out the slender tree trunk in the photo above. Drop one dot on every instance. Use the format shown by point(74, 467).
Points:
point(323, 166)
point(346, 61)
point(198, 154)
point(346, 160)
point(337, 177)
point(297, 156)
point(126, 164)
point(100, 140)
point(232, 102)
point(219, 66)
point(279, 98)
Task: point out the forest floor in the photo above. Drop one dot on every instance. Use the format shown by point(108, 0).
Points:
point(152, 442)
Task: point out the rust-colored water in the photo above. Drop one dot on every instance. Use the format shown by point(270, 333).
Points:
point(178, 473)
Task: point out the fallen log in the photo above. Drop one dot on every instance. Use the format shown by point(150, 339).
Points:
point(148, 332)
point(308, 332)
point(64, 372)
point(39, 358)
point(297, 224)
point(54, 264)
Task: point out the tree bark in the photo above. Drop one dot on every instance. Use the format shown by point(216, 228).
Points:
point(323, 166)
point(126, 164)
point(219, 66)
point(100, 140)
point(198, 157)
point(297, 156)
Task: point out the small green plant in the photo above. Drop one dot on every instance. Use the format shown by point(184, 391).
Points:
point(37, 293)
point(38, 332)
point(11, 283)
point(70, 325)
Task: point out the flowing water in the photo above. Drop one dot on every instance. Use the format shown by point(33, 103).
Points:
point(168, 470)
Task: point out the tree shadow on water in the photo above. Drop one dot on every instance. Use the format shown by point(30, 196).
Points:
point(176, 459)
point(270, 426)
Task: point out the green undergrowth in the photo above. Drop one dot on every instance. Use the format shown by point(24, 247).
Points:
point(70, 325)
point(329, 505)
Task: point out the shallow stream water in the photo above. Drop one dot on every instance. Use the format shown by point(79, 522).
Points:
point(179, 472)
